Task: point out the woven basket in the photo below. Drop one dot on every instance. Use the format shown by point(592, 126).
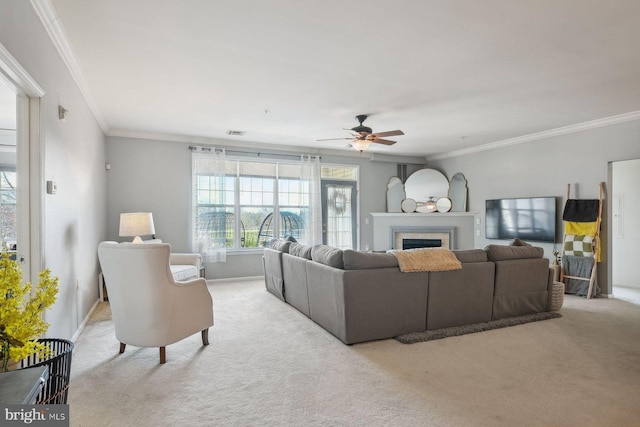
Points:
point(557, 296)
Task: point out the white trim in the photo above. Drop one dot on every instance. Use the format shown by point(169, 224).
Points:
point(36, 142)
point(607, 121)
point(18, 75)
point(49, 17)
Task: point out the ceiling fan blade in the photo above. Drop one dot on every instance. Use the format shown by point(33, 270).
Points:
point(332, 139)
point(383, 141)
point(389, 133)
point(354, 133)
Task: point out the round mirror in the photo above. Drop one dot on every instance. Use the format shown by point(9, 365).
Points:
point(443, 204)
point(425, 184)
point(409, 205)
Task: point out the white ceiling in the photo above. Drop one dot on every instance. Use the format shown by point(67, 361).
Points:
point(451, 74)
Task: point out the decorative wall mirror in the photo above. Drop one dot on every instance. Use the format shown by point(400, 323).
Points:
point(458, 193)
point(426, 184)
point(395, 194)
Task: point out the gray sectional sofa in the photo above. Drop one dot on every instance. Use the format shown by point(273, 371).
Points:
point(360, 296)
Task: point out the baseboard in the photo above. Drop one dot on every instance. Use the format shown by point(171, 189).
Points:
point(84, 322)
point(233, 279)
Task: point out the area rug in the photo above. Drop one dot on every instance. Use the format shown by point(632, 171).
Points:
point(437, 334)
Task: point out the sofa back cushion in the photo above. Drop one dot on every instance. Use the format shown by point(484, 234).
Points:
point(471, 255)
point(327, 255)
point(354, 260)
point(504, 253)
point(300, 250)
point(280, 245)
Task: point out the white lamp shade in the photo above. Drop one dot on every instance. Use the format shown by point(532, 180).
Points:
point(136, 224)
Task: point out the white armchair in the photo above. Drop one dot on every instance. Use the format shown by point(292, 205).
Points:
point(149, 307)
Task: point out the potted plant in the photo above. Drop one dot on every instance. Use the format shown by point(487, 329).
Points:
point(21, 308)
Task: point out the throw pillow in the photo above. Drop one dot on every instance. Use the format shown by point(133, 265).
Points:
point(518, 242)
point(578, 245)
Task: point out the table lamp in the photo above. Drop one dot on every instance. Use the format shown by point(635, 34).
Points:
point(136, 224)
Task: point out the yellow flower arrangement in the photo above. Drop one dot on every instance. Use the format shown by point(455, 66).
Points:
point(21, 312)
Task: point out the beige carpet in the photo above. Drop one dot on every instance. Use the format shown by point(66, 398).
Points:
point(269, 365)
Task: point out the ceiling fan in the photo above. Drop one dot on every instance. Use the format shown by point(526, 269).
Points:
point(363, 136)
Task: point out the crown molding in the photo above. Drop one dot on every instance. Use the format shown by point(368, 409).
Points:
point(49, 17)
point(607, 121)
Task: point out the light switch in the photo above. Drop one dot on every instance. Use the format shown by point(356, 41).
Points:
point(52, 187)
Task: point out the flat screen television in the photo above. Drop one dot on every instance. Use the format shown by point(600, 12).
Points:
point(529, 219)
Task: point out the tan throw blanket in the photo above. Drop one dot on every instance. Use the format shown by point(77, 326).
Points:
point(413, 260)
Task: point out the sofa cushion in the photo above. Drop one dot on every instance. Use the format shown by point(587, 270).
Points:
point(327, 255)
point(354, 260)
point(471, 255)
point(300, 250)
point(184, 272)
point(504, 253)
point(280, 245)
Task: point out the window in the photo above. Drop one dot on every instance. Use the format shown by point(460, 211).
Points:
point(253, 203)
point(242, 204)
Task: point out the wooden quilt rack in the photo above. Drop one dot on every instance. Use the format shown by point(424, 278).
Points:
point(595, 246)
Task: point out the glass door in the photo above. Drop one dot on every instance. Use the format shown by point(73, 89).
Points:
point(339, 213)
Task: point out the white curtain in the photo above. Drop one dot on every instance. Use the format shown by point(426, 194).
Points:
point(313, 225)
point(208, 222)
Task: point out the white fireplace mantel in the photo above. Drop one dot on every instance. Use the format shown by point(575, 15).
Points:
point(461, 222)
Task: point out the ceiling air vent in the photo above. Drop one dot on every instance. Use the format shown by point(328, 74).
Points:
point(235, 132)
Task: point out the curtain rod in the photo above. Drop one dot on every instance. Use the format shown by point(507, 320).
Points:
point(255, 153)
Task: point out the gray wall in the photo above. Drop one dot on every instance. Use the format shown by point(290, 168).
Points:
point(544, 168)
point(74, 156)
point(155, 176)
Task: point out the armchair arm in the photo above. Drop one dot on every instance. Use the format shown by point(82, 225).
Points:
point(185, 259)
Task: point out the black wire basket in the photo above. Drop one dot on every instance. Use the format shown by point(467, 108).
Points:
point(56, 388)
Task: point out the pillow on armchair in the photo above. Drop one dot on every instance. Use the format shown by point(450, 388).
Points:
point(184, 266)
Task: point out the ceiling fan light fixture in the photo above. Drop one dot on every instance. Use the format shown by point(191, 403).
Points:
point(361, 144)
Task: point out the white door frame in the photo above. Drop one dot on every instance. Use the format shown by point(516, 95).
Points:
point(30, 158)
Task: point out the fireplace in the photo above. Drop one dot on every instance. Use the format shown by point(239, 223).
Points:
point(421, 243)
point(457, 230)
point(422, 237)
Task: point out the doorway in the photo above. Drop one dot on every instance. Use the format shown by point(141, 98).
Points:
point(8, 174)
point(625, 236)
point(339, 213)
point(20, 98)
